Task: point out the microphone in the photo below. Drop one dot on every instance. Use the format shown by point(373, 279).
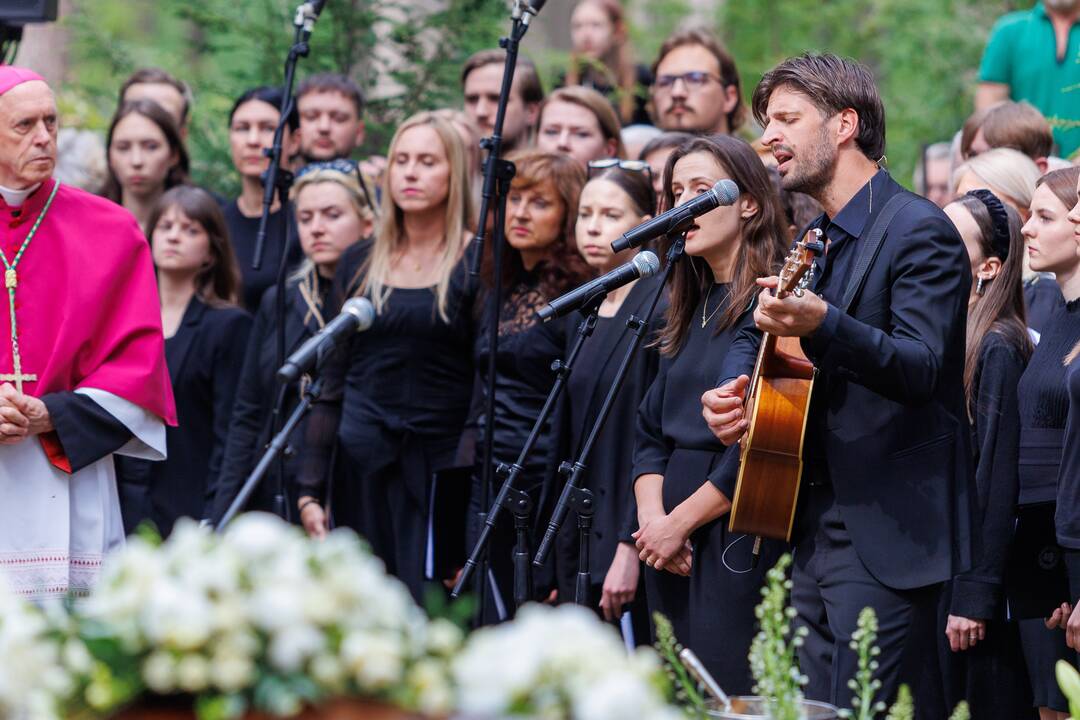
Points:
point(645, 264)
point(533, 7)
point(357, 314)
point(677, 219)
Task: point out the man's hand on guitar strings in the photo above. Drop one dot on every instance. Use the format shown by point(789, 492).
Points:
point(723, 411)
point(791, 316)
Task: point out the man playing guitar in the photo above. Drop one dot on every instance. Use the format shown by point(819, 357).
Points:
point(883, 516)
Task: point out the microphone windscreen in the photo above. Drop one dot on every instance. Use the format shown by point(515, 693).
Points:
point(362, 309)
point(647, 263)
point(535, 6)
point(727, 191)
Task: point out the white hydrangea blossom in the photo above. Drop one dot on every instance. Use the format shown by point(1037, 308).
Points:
point(558, 664)
point(207, 611)
point(32, 674)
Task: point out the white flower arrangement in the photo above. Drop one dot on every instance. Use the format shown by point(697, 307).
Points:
point(259, 617)
point(558, 664)
point(32, 660)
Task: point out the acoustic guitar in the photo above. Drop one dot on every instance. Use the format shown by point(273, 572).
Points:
point(778, 399)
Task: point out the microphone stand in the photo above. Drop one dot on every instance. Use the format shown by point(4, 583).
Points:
point(277, 179)
point(274, 451)
point(498, 174)
point(581, 499)
point(518, 501)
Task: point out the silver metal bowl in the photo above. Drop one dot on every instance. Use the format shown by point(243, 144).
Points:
point(747, 707)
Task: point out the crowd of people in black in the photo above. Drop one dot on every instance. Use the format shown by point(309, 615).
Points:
point(942, 453)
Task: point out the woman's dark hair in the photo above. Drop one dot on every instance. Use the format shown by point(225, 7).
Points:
point(1001, 308)
point(270, 96)
point(665, 140)
point(636, 185)
point(156, 114)
point(217, 284)
point(565, 268)
point(1063, 184)
point(761, 248)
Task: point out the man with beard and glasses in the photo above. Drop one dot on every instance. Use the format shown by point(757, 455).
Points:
point(1032, 55)
point(883, 514)
point(696, 85)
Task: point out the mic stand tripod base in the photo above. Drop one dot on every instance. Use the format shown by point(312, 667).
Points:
point(519, 504)
point(581, 502)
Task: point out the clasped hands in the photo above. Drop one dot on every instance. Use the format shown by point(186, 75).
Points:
point(664, 544)
point(792, 316)
point(21, 416)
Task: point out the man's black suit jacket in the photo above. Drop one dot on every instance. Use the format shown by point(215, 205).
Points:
point(889, 397)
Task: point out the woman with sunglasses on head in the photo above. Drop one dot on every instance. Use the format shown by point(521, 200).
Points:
point(1044, 406)
point(205, 337)
point(539, 263)
point(396, 396)
point(980, 650)
point(615, 199)
point(699, 574)
point(332, 215)
point(579, 122)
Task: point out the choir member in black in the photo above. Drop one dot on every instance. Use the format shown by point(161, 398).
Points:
point(540, 262)
point(1067, 515)
point(613, 201)
point(252, 121)
point(980, 650)
point(1044, 405)
point(396, 396)
point(700, 575)
point(332, 215)
point(146, 157)
point(205, 337)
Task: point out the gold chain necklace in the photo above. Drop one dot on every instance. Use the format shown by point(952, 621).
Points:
point(704, 307)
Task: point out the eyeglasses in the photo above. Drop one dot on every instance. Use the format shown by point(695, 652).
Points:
point(631, 165)
point(694, 80)
point(341, 165)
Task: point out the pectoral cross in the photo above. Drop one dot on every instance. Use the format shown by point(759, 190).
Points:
point(11, 281)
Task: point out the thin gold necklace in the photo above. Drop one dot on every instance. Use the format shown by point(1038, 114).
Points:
point(705, 320)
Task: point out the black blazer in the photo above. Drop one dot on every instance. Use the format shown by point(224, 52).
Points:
point(205, 358)
point(890, 385)
point(255, 397)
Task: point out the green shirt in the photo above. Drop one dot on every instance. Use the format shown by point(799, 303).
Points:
point(1022, 53)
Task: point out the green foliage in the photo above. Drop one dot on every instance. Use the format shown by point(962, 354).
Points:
point(961, 712)
point(904, 707)
point(224, 48)
point(865, 685)
point(924, 53)
point(1069, 681)
point(772, 656)
point(686, 690)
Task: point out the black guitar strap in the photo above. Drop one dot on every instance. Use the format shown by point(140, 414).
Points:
point(874, 240)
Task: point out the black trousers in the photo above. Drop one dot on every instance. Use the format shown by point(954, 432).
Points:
point(831, 586)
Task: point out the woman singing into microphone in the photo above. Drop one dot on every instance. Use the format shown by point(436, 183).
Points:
point(698, 574)
point(397, 395)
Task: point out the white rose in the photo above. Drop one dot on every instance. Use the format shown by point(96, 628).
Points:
point(293, 645)
point(193, 673)
point(159, 672)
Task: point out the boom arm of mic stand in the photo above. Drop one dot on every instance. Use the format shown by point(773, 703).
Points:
point(563, 370)
point(638, 326)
